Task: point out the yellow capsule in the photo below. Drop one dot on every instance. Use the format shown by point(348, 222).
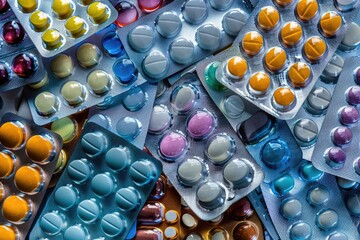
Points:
point(98, 12)
point(75, 26)
point(39, 20)
point(62, 8)
point(27, 6)
point(51, 38)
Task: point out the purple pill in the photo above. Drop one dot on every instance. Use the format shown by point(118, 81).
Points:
point(4, 6)
point(200, 124)
point(353, 95)
point(127, 14)
point(13, 32)
point(341, 136)
point(348, 115)
point(4, 74)
point(172, 146)
point(335, 157)
point(357, 76)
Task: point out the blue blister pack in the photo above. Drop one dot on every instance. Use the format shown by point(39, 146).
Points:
point(128, 115)
point(102, 190)
point(87, 74)
point(306, 203)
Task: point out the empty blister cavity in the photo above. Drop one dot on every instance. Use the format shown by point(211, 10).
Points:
point(135, 100)
point(128, 127)
point(232, 106)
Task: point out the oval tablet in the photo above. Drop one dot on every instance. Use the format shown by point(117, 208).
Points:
point(183, 98)
point(210, 195)
point(318, 195)
point(160, 119)
point(191, 171)
point(220, 148)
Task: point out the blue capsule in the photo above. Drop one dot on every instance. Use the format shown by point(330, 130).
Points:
point(125, 71)
point(283, 185)
point(275, 153)
point(112, 45)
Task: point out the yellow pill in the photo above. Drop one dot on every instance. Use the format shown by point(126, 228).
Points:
point(75, 26)
point(252, 43)
point(314, 49)
point(6, 165)
point(39, 148)
point(330, 23)
point(16, 209)
point(27, 5)
point(8, 233)
point(62, 8)
point(259, 82)
point(237, 66)
point(291, 34)
point(307, 9)
point(51, 38)
point(39, 20)
point(98, 12)
point(299, 74)
point(283, 3)
point(284, 97)
point(268, 18)
point(28, 179)
point(12, 135)
point(61, 162)
point(275, 59)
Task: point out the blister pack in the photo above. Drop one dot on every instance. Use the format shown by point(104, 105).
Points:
point(102, 190)
point(57, 25)
point(276, 60)
point(81, 77)
point(306, 203)
point(181, 33)
point(239, 222)
point(204, 160)
point(10, 101)
point(336, 152)
point(129, 114)
point(5, 10)
point(27, 159)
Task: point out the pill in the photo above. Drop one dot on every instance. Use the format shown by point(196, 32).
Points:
point(218, 234)
point(79, 171)
point(39, 21)
point(168, 24)
point(330, 23)
point(275, 59)
point(220, 148)
point(188, 220)
point(73, 92)
point(152, 233)
point(127, 13)
point(40, 148)
point(24, 65)
point(348, 115)
point(236, 67)
point(171, 233)
point(191, 171)
point(9, 232)
point(52, 38)
point(241, 210)
point(200, 124)
point(13, 33)
point(151, 214)
point(103, 184)
point(149, 6)
point(353, 95)
point(238, 173)
point(16, 209)
point(62, 8)
point(341, 136)
point(246, 230)
point(268, 18)
point(353, 204)
point(77, 232)
point(233, 21)
point(61, 162)
point(6, 164)
point(259, 83)
point(327, 219)
point(66, 197)
point(300, 231)
point(183, 98)
point(346, 184)
point(27, 6)
point(4, 6)
point(208, 37)
point(315, 49)
point(88, 55)
point(291, 208)
point(194, 11)
point(88, 211)
point(335, 157)
point(338, 236)
point(75, 26)
point(118, 158)
point(318, 101)
point(217, 219)
point(291, 34)
point(275, 153)
point(5, 76)
point(307, 10)
point(62, 66)
point(318, 195)
point(142, 172)
point(52, 223)
point(98, 12)
point(155, 65)
point(127, 199)
point(193, 236)
point(94, 143)
point(173, 145)
point(182, 51)
point(101, 120)
point(160, 119)
point(283, 98)
point(66, 128)
point(112, 45)
point(283, 185)
point(334, 67)
point(309, 173)
point(306, 131)
point(352, 37)
point(232, 106)
point(46, 103)
point(345, 5)
point(252, 43)
point(113, 225)
point(211, 78)
point(29, 179)
point(141, 38)
point(283, 3)
point(221, 4)
point(128, 128)
point(135, 99)
point(210, 195)
point(125, 71)
point(171, 216)
point(299, 74)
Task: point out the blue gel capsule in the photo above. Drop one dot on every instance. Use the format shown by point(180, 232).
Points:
point(76, 232)
point(127, 199)
point(93, 143)
point(118, 158)
point(66, 197)
point(309, 173)
point(135, 99)
point(275, 153)
point(128, 128)
point(79, 171)
point(101, 120)
point(51, 223)
point(112, 45)
point(283, 185)
point(142, 172)
point(300, 231)
point(103, 184)
point(125, 71)
point(113, 225)
point(88, 211)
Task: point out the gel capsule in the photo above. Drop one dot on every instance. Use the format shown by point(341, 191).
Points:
point(246, 230)
point(12, 134)
point(13, 33)
point(283, 185)
point(173, 146)
point(252, 43)
point(17, 209)
point(341, 136)
point(241, 210)
point(24, 65)
point(291, 34)
point(29, 179)
point(151, 214)
point(5, 76)
point(149, 6)
point(268, 18)
point(353, 95)
point(127, 14)
point(27, 6)
point(275, 153)
point(4, 6)
point(40, 148)
point(125, 71)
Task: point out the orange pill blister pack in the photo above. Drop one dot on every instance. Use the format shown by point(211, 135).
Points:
point(278, 56)
point(28, 155)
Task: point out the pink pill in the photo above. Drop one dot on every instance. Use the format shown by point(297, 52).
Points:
point(173, 145)
point(200, 124)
